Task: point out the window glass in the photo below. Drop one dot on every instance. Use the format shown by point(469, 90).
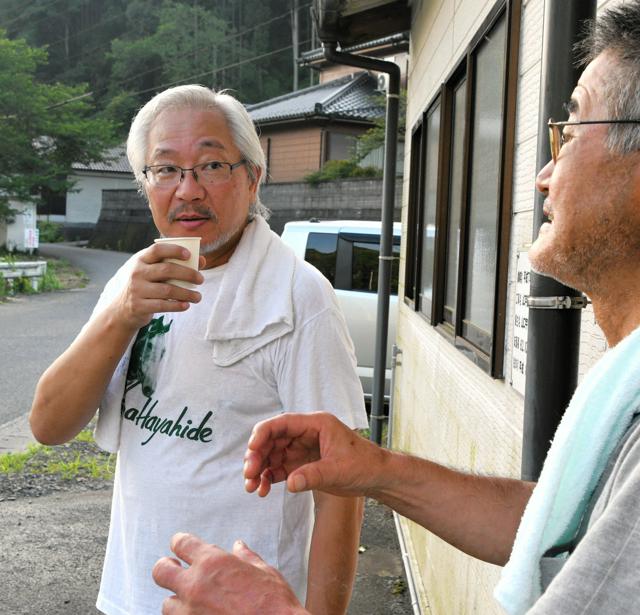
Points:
point(321, 253)
point(484, 189)
point(429, 209)
point(340, 146)
point(455, 201)
point(364, 268)
point(410, 281)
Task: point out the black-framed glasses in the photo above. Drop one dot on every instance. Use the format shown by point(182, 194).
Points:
point(556, 134)
point(170, 175)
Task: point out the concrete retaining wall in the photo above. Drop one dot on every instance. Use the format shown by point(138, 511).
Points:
point(125, 221)
point(349, 199)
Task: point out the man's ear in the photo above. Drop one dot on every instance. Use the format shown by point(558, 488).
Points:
point(256, 172)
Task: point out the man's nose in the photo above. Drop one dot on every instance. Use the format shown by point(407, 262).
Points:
point(544, 176)
point(189, 188)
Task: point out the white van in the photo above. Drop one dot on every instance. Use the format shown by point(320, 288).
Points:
point(346, 252)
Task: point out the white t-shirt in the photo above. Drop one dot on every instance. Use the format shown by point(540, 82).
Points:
point(184, 430)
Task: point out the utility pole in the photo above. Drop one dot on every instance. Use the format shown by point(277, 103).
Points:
point(314, 44)
point(295, 36)
point(195, 29)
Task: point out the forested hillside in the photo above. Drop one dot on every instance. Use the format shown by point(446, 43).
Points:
point(73, 73)
point(125, 51)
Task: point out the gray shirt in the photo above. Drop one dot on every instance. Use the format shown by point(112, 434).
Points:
point(602, 575)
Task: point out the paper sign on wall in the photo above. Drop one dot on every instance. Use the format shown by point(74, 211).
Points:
point(31, 238)
point(520, 323)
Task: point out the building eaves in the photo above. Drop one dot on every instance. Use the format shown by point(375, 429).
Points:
point(349, 97)
point(115, 162)
point(387, 45)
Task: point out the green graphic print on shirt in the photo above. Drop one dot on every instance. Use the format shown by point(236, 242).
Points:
point(146, 353)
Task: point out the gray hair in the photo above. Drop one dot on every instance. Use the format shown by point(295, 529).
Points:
point(617, 31)
point(199, 97)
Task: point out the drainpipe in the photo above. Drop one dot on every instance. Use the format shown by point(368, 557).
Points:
point(386, 238)
point(554, 309)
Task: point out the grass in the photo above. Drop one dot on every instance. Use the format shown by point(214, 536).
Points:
point(11, 463)
point(78, 458)
point(65, 275)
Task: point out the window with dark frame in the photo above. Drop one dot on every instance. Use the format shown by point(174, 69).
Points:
point(454, 204)
point(459, 194)
point(413, 227)
point(429, 207)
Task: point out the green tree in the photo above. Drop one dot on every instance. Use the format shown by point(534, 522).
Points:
point(44, 128)
point(373, 138)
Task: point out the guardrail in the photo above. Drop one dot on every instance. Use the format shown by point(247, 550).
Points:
point(33, 270)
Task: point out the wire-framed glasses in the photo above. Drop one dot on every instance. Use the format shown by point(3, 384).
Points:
point(170, 175)
point(556, 134)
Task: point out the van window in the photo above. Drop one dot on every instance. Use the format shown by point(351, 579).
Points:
point(364, 267)
point(321, 253)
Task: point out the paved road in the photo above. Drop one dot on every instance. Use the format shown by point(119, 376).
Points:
point(51, 547)
point(34, 330)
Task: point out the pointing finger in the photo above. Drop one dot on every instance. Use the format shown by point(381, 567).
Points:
point(167, 573)
point(186, 546)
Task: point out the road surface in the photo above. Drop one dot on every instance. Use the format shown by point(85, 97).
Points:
point(35, 329)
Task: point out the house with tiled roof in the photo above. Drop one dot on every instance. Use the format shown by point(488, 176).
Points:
point(78, 211)
point(302, 130)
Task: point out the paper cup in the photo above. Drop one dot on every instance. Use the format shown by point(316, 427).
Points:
point(190, 243)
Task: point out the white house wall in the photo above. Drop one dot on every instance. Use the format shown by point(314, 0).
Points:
point(446, 408)
point(13, 236)
point(85, 201)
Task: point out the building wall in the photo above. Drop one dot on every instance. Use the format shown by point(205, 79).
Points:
point(349, 199)
point(335, 71)
point(125, 222)
point(20, 233)
point(445, 408)
point(85, 201)
point(292, 153)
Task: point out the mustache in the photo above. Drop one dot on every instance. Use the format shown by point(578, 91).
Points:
point(202, 210)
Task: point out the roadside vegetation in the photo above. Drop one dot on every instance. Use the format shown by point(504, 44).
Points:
point(341, 169)
point(79, 459)
point(60, 275)
point(49, 232)
point(367, 143)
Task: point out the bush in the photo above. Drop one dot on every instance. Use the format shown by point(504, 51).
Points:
point(341, 169)
point(50, 232)
point(50, 280)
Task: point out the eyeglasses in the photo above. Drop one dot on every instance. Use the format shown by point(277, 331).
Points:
point(557, 138)
point(170, 175)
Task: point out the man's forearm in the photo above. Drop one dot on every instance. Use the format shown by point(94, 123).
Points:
point(69, 392)
point(334, 553)
point(477, 514)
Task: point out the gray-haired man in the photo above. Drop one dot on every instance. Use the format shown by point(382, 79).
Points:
point(182, 375)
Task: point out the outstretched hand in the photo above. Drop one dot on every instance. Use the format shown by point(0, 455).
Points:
point(217, 582)
point(309, 451)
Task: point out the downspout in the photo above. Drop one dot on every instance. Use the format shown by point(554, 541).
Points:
point(554, 309)
point(386, 238)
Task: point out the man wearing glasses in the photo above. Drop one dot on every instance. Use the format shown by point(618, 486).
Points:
point(570, 543)
point(181, 375)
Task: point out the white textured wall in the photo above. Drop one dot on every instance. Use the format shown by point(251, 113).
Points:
point(445, 408)
point(84, 203)
point(12, 236)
